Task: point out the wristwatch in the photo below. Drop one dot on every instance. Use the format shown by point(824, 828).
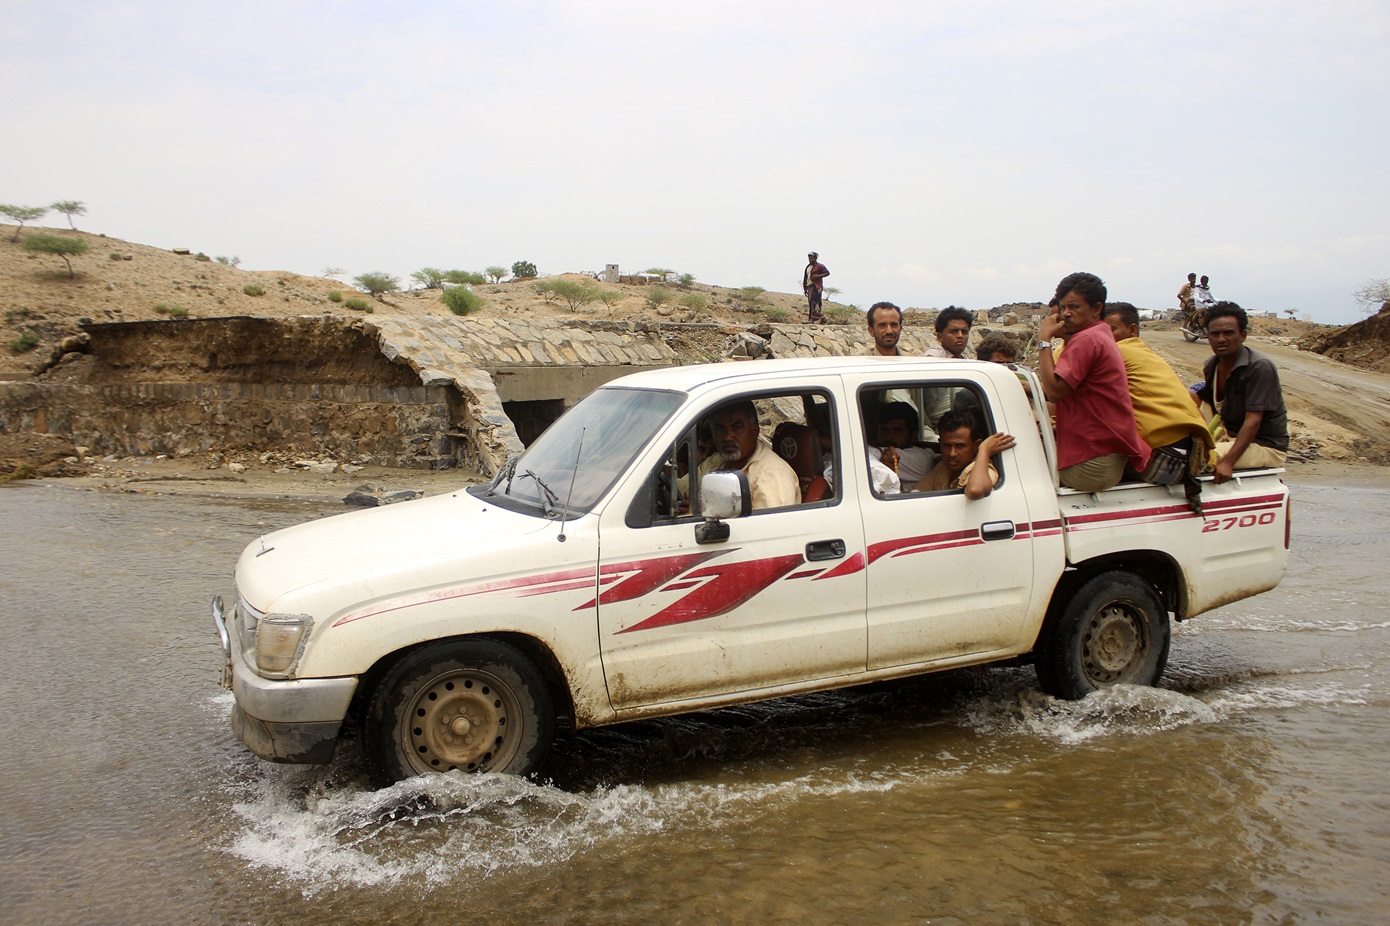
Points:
point(1044, 345)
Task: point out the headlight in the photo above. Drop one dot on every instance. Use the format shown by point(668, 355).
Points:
point(279, 639)
point(272, 643)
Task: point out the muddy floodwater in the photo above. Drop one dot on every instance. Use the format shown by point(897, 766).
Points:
point(1250, 788)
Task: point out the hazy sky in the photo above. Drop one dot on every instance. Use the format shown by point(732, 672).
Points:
point(933, 153)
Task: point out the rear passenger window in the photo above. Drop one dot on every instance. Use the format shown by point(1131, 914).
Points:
point(903, 426)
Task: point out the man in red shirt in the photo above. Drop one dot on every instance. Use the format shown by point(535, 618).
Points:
point(1096, 434)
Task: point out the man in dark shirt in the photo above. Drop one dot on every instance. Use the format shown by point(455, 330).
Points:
point(813, 285)
point(1242, 386)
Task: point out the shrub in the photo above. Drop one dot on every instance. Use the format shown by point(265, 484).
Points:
point(574, 292)
point(377, 284)
point(495, 274)
point(524, 270)
point(335, 295)
point(26, 341)
point(844, 314)
point(464, 277)
point(461, 300)
point(776, 315)
point(751, 294)
point(658, 296)
point(695, 302)
point(229, 261)
point(546, 289)
point(609, 297)
point(253, 289)
point(357, 303)
point(173, 311)
point(686, 280)
point(61, 245)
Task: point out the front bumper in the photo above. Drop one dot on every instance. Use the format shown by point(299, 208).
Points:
point(294, 720)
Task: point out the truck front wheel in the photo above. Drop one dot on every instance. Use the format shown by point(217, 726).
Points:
point(472, 705)
point(1113, 630)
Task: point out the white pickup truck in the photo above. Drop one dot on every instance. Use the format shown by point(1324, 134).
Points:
point(607, 575)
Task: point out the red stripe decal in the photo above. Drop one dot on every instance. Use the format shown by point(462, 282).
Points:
point(885, 547)
point(850, 566)
point(507, 588)
point(729, 586)
point(647, 574)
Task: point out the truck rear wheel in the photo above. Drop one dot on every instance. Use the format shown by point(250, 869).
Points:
point(1114, 630)
point(472, 705)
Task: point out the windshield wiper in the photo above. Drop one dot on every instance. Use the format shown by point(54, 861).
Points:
point(505, 472)
point(550, 499)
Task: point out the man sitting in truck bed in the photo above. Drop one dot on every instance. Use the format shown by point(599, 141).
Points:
point(965, 458)
point(771, 481)
point(1163, 409)
point(1096, 434)
point(1243, 387)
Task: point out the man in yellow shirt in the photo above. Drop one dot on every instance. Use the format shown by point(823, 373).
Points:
point(1163, 410)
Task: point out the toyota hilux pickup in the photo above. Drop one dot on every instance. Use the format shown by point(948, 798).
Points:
point(611, 572)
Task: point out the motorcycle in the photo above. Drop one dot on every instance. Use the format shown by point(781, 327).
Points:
point(1194, 321)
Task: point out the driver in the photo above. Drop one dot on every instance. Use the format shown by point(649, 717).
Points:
point(734, 429)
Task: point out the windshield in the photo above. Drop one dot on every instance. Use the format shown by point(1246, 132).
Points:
point(602, 433)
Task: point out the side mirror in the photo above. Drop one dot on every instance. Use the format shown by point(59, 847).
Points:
point(724, 494)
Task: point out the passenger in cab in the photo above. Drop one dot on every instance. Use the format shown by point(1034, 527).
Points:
point(898, 431)
point(965, 459)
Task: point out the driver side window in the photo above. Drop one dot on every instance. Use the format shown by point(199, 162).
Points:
point(784, 443)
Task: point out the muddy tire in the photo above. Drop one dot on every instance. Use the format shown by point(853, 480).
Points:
point(1114, 630)
point(472, 705)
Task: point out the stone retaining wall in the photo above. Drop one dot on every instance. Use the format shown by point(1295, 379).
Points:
point(193, 386)
point(389, 425)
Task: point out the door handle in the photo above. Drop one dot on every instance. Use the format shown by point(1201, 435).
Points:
point(825, 549)
point(997, 530)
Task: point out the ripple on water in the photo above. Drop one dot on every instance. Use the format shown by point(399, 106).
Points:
point(434, 827)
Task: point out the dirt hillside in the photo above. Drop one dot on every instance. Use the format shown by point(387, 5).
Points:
point(1338, 412)
point(121, 281)
point(1364, 344)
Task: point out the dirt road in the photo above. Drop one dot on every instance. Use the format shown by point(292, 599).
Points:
point(1345, 409)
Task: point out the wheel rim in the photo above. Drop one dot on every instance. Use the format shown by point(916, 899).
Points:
point(465, 719)
point(1114, 643)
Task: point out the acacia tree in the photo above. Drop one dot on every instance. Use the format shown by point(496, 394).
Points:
point(61, 245)
point(429, 277)
point(22, 214)
point(377, 284)
point(495, 273)
point(1372, 295)
point(70, 208)
point(524, 270)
